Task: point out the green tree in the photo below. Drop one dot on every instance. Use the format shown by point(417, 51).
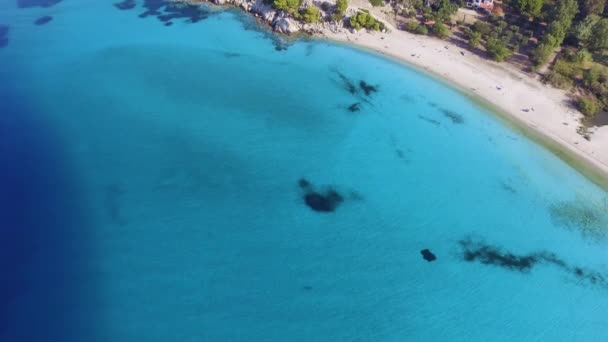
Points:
point(290, 6)
point(530, 7)
point(482, 27)
point(584, 29)
point(498, 49)
point(422, 30)
point(444, 9)
point(599, 37)
point(561, 21)
point(341, 6)
point(365, 20)
point(474, 39)
point(588, 106)
point(412, 25)
point(440, 30)
point(311, 14)
point(589, 7)
point(340, 10)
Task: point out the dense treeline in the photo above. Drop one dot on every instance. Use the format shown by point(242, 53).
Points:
point(569, 36)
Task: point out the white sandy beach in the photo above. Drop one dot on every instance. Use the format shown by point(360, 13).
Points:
point(527, 101)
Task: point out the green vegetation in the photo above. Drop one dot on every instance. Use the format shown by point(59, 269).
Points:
point(412, 26)
point(440, 30)
point(377, 3)
point(599, 36)
point(444, 9)
point(588, 106)
point(474, 39)
point(311, 14)
point(498, 49)
point(289, 6)
point(590, 7)
point(529, 7)
point(341, 6)
point(365, 20)
point(421, 29)
point(561, 21)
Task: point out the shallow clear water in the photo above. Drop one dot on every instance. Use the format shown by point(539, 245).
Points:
point(150, 191)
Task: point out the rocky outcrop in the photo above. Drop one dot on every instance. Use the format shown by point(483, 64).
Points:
point(263, 10)
point(284, 24)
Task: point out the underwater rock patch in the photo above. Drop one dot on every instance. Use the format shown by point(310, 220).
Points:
point(326, 201)
point(586, 216)
point(36, 3)
point(125, 5)
point(429, 120)
point(355, 107)
point(166, 11)
point(368, 89)
point(347, 83)
point(487, 254)
point(452, 115)
point(4, 29)
point(43, 20)
point(428, 255)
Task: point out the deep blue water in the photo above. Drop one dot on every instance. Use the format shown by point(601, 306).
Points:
point(183, 175)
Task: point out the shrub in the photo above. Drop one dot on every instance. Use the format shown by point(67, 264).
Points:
point(365, 20)
point(341, 6)
point(482, 28)
point(440, 30)
point(582, 56)
point(311, 14)
point(588, 106)
point(499, 51)
point(339, 10)
point(422, 30)
point(559, 81)
point(289, 6)
point(377, 3)
point(474, 39)
point(565, 68)
point(412, 26)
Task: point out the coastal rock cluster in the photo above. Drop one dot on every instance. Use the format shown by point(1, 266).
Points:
point(279, 20)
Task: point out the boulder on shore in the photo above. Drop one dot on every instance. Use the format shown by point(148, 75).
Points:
point(264, 10)
point(285, 25)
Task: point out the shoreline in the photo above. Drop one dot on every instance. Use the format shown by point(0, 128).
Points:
point(542, 113)
point(549, 121)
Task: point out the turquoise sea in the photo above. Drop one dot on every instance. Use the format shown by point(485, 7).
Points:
point(205, 181)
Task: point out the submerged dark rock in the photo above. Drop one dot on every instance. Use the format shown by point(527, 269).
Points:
point(428, 255)
point(43, 20)
point(321, 201)
point(304, 183)
point(452, 115)
point(166, 11)
point(492, 255)
point(125, 5)
point(4, 29)
point(347, 83)
point(327, 202)
point(368, 89)
point(168, 23)
point(355, 107)
point(429, 120)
